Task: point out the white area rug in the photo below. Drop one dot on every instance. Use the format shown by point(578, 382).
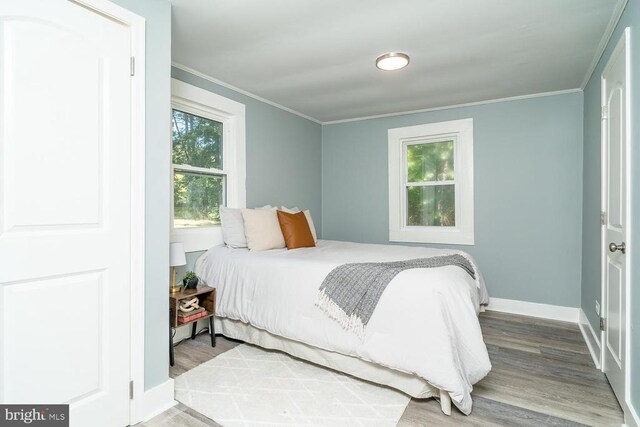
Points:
point(249, 386)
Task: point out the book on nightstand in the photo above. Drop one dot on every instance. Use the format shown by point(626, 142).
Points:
point(190, 313)
point(185, 319)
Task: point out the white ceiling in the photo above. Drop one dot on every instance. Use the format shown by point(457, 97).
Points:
point(317, 56)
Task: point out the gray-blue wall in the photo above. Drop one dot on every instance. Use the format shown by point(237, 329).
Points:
point(528, 191)
point(158, 95)
point(591, 197)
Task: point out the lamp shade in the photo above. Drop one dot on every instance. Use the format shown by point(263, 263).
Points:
point(176, 255)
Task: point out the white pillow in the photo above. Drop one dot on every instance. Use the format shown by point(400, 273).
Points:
point(262, 229)
point(233, 227)
point(307, 214)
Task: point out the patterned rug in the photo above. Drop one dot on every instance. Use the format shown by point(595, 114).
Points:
point(248, 386)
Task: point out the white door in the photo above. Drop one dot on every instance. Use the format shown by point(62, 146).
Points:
point(65, 209)
point(615, 133)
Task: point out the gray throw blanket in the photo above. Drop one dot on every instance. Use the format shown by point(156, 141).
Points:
point(350, 292)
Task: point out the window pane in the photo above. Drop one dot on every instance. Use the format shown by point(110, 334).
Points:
point(432, 205)
point(196, 141)
point(197, 199)
point(430, 162)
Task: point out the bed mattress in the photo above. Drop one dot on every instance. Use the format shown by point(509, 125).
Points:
point(425, 324)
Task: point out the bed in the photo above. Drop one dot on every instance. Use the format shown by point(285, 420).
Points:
point(423, 338)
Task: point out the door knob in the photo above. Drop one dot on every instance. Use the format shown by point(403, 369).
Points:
point(621, 247)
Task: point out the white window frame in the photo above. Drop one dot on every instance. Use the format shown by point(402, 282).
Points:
point(461, 132)
point(194, 100)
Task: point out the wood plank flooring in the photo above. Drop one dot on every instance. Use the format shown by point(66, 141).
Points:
point(542, 375)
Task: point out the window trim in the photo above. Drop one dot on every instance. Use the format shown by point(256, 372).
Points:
point(194, 100)
point(461, 132)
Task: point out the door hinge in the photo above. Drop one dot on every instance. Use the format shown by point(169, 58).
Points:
point(604, 112)
point(130, 389)
point(133, 66)
point(603, 323)
point(603, 218)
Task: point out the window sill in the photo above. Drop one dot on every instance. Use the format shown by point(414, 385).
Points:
point(198, 238)
point(428, 235)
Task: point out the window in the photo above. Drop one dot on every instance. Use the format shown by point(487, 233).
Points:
point(208, 147)
point(198, 174)
point(431, 183)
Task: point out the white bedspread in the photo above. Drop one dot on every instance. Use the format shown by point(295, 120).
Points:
point(426, 322)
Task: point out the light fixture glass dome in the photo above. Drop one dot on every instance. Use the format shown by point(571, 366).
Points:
point(392, 61)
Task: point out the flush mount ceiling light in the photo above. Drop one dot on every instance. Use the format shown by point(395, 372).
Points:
point(392, 61)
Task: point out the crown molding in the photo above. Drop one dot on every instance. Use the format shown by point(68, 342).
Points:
point(604, 41)
point(448, 107)
point(242, 91)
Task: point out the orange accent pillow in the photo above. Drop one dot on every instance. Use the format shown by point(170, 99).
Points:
point(295, 230)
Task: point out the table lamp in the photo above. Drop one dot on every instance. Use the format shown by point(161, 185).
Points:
point(176, 258)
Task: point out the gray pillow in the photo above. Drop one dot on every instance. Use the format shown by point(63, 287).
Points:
point(233, 227)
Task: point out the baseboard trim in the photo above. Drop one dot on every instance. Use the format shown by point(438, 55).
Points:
point(631, 418)
point(591, 338)
point(158, 399)
point(534, 309)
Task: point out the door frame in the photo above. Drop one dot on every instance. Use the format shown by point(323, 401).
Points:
point(623, 43)
point(137, 28)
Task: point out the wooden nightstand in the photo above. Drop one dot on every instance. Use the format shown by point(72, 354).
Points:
point(207, 299)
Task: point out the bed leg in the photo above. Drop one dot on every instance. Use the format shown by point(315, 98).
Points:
point(445, 402)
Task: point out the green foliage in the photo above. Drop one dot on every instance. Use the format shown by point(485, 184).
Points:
point(197, 197)
point(432, 205)
point(430, 162)
point(189, 275)
point(196, 141)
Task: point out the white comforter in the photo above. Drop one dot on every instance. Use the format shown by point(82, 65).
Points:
point(426, 322)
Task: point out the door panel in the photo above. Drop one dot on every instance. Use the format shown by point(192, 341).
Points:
point(62, 300)
point(65, 209)
point(45, 137)
point(615, 157)
point(614, 342)
point(615, 134)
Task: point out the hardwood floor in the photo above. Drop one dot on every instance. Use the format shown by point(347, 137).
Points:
point(542, 375)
